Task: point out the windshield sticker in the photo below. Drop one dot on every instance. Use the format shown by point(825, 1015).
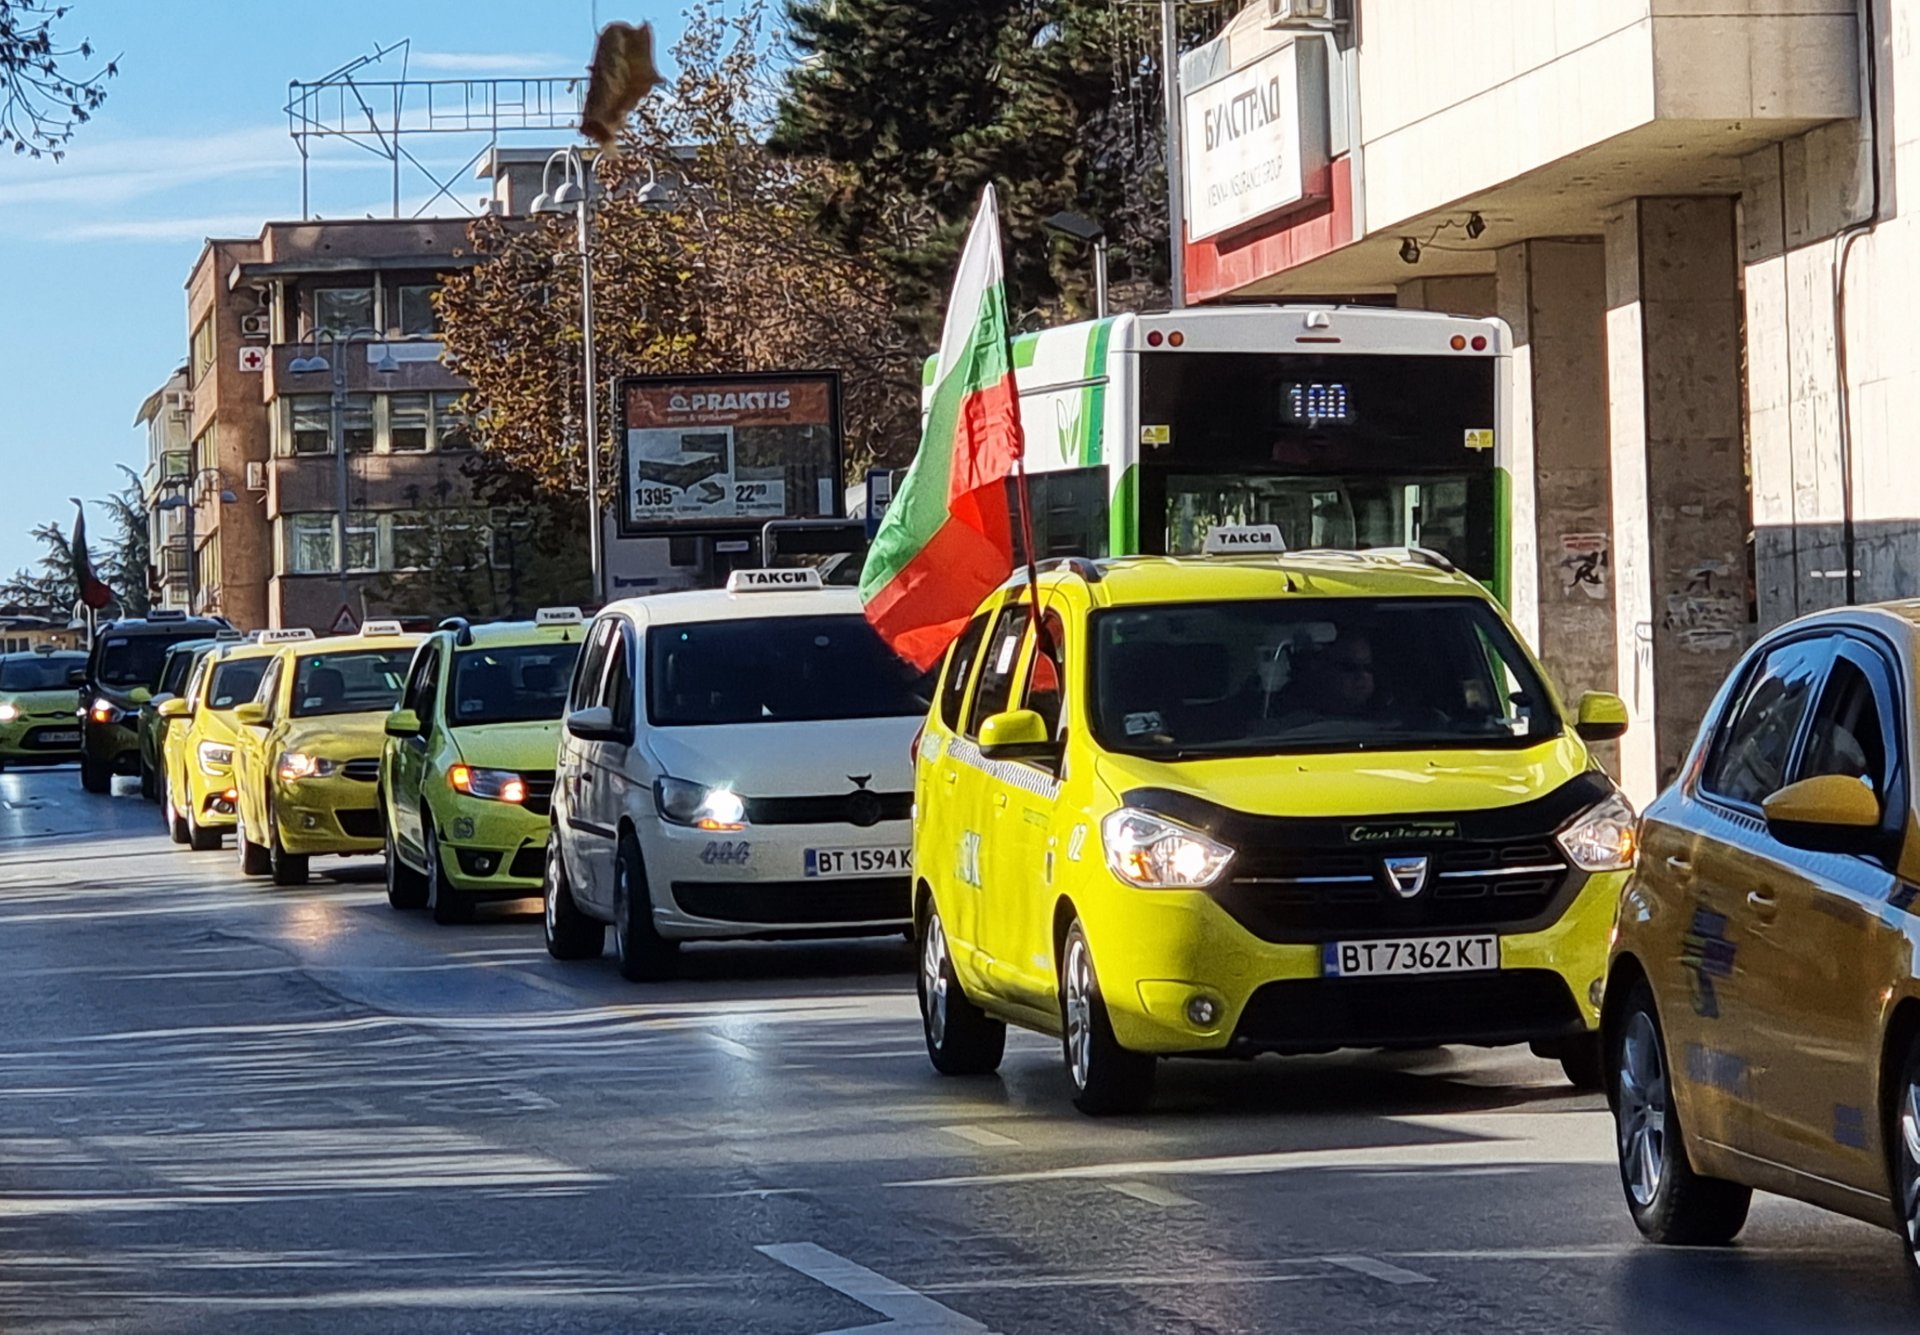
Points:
point(1005, 659)
point(1139, 725)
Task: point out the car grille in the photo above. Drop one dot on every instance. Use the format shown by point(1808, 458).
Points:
point(360, 822)
point(859, 807)
point(539, 795)
point(871, 899)
point(365, 770)
point(1319, 1014)
point(530, 863)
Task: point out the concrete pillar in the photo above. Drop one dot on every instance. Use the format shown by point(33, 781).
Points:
point(1679, 489)
point(1552, 294)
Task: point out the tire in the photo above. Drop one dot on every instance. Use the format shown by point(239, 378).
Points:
point(176, 823)
point(1582, 1060)
point(1669, 1202)
point(448, 905)
point(95, 778)
point(149, 782)
point(571, 934)
point(961, 1038)
point(254, 858)
point(1903, 1136)
point(1106, 1077)
point(287, 868)
point(645, 955)
point(406, 888)
point(201, 838)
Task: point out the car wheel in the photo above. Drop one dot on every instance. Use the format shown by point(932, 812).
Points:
point(95, 778)
point(571, 934)
point(962, 1039)
point(1582, 1060)
point(201, 838)
point(406, 888)
point(254, 859)
point(1669, 1202)
point(149, 785)
point(447, 904)
point(176, 823)
point(1106, 1077)
point(1905, 1139)
point(645, 955)
point(287, 868)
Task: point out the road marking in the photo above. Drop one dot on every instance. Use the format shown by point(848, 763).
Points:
point(1152, 1195)
point(898, 1303)
point(979, 1135)
point(1374, 1268)
point(732, 1048)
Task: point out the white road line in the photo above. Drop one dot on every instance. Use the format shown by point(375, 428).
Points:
point(1374, 1268)
point(898, 1303)
point(1152, 1195)
point(732, 1048)
point(979, 1135)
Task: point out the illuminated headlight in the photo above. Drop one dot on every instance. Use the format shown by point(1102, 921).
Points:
point(9, 711)
point(501, 785)
point(1154, 853)
point(700, 806)
point(296, 765)
point(103, 710)
point(217, 757)
point(1603, 837)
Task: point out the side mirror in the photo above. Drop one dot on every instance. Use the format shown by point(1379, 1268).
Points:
point(1018, 734)
point(593, 725)
point(76, 676)
point(173, 707)
point(252, 714)
point(1829, 813)
point(1601, 717)
point(139, 695)
point(403, 723)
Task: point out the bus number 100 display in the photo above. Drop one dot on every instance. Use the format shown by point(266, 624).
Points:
point(1317, 401)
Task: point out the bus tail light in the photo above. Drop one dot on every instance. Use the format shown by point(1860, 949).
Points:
point(1479, 342)
point(1154, 338)
point(1458, 342)
point(1175, 339)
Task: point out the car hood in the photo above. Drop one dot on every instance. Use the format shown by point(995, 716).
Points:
point(338, 736)
point(1371, 783)
point(215, 725)
point(514, 746)
point(791, 759)
point(42, 704)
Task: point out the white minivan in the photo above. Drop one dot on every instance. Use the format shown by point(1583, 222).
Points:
point(735, 764)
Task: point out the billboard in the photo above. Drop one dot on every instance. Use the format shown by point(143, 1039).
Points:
point(705, 453)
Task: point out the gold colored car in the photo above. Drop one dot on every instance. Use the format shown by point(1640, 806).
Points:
point(1762, 1009)
point(196, 749)
point(306, 756)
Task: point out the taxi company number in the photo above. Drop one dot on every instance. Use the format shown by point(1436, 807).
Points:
point(1427, 954)
point(858, 861)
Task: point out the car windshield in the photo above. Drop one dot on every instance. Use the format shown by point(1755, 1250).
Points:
point(514, 684)
point(1321, 675)
point(778, 670)
point(127, 661)
point(354, 681)
point(235, 683)
point(40, 672)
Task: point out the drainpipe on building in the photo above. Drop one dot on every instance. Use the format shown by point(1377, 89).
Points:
point(1849, 234)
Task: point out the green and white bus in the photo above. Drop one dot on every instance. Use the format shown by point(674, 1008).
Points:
point(1347, 426)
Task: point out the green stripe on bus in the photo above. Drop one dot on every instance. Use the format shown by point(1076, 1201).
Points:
point(1094, 418)
point(1123, 518)
point(1024, 348)
point(1503, 537)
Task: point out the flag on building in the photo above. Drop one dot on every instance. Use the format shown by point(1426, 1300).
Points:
point(946, 540)
point(92, 592)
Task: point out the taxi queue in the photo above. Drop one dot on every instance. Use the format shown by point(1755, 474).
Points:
point(1218, 806)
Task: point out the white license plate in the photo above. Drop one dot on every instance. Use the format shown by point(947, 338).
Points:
point(55, 738)
point(1422, 954)
point(858, 861)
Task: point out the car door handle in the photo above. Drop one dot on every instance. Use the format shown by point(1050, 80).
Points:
point(949, 775)
point(1762, 903)
point(999, 799)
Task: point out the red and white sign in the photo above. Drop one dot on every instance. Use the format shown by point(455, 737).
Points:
point(253, 359)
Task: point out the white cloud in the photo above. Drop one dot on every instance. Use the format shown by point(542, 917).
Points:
point(531, 63)
point(164, 229)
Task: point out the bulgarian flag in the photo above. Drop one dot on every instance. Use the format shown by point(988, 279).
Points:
point(87, 584)
point(946, 541)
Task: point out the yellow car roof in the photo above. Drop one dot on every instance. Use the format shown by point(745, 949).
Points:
point(333, 644)
point(1391, 573)
point(503, 634)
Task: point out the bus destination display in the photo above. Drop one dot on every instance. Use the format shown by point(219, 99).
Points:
point(1315, 402)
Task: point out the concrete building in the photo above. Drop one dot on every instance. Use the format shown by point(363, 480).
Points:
point(165, 483)
point(1687, 210)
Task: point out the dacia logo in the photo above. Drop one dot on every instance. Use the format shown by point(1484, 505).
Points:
point(1407, 875)
point(1402, 832)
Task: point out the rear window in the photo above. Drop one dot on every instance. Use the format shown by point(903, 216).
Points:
point(354, 681)
point(127, 661)
point(235, 683)
point(42, 672)
point(519, 684)
point(778, 670)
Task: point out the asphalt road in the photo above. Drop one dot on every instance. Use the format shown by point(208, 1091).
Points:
point(226, 1107)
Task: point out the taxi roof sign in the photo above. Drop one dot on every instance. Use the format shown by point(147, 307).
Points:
point(286, 635)
point(774, 580)
point(383, 628)
point(558, 616)
point(1231, 539)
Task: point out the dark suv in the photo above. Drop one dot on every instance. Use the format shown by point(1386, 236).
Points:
point(122, 670)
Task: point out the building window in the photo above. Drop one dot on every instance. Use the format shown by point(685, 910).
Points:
point(412, 540)
point(356, 423)
point(309, 541)
point(452, 429)
point(202, 347)
point(204, 453)
point(342, 311)
point(363, 541)
point(310, 423)
point(208, 558)
point(408, 419)
point(414, 315)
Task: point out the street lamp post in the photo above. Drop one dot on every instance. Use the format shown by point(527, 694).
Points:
point(336, 419)
point(1084, 229)
point(182, 499)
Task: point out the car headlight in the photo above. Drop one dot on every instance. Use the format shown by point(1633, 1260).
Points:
point(296, 765)
point(501, 785)
point(9, 711)
point(698, 805)
point(1604, 837)
point(1155, 853)
point(103, 710)
point(217, 757)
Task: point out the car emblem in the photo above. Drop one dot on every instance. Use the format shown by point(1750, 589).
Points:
point(1408, 876)
point(859, 780)
point(863, 808)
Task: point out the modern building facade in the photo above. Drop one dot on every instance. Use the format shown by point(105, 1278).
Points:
point(1687, 210)
point(166, 483)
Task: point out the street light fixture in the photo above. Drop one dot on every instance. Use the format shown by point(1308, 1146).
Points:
point(315, 362)
point(575, 194)
point(1084, 229)
point(180, 500)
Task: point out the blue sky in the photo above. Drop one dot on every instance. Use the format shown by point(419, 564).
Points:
point(95, 250)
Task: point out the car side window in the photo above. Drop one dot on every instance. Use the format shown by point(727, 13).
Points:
point(1045, 691)
point(198, 681)
point(424, 685)
point(269, 687)
point(996, 674)
point(960, 661)
point(589, 668)
point(1755, 746)
point(1847, 736)
point(618, 693)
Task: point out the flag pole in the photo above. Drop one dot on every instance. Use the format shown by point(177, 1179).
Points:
point(1042, 641)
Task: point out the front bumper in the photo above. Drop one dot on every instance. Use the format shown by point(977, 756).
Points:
point(114, 745)
point(214, 799)
point(1157, 951)
point(331, 815)
point(756, 882)
point(492, 848)
point(25, 741)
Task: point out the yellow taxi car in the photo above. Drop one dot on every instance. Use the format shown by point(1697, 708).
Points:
point(37, 722)
point(306, 757)
point(196, 750)
point(1762, 1008)
point(1218, 807)
point(466, 784)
